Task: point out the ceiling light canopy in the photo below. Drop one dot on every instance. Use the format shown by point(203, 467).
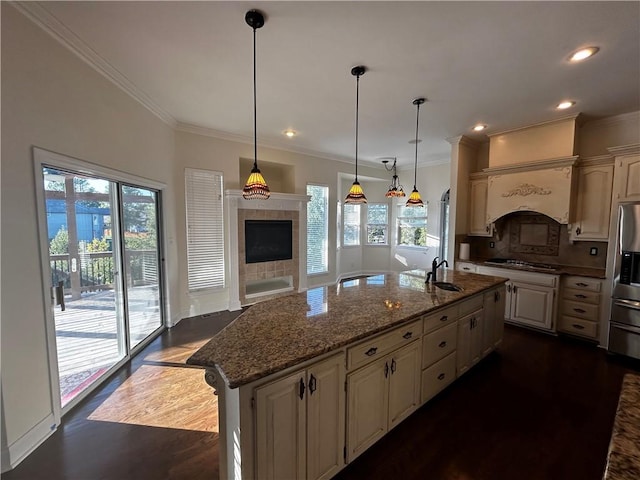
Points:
point(356, 195)
point(583, 54)
point(414, 199)
point(564, 105)
point(479, 127)
point(256, 186)
point(290, 133)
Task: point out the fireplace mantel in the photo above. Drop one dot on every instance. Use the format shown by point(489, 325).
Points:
point(278, 202)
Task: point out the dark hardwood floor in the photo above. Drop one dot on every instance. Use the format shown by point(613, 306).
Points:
point(540, 407)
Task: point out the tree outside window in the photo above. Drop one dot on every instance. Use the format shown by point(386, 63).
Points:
point(412, 226)
point(377, 223)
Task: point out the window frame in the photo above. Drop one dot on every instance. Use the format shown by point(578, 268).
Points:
point(399, 218)
point(385, 225)
point(344, 224)
point(326, 227)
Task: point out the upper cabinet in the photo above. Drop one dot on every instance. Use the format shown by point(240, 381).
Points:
point(593, 206)
point(627, 178)
point(478, 225)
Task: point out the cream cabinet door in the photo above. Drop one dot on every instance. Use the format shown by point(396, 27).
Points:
point(594, 203)
point(478, 225)
point(404, 382)
point(477, 327)
point(463, 354)
point(532, 305)
point(500, 310)
point(489, 319)
point(627, 178)
point(367, 406)
point(281, 428)
point(325, 418)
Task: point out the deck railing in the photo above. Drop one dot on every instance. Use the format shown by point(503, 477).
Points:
point(96, 270)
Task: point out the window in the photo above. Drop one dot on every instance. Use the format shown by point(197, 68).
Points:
point(351, 225)
point(205, 229)
point(318, 229)
point(412, 226)
point(377, 223)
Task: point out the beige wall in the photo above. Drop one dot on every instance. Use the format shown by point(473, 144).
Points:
point(52, 100)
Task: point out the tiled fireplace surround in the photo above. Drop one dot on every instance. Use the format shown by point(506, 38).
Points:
point(279, 206)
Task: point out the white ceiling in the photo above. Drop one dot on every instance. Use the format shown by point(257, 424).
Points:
point(499, 63)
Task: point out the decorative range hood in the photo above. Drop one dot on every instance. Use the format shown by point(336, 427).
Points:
point(532, 169)
point(544, 187)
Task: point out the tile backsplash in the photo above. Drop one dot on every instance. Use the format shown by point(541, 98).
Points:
point(533, 237)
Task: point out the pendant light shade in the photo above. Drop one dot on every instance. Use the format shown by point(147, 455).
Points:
point(414, 199)
point(256, 186)
point(356, 195)
point(395, 189)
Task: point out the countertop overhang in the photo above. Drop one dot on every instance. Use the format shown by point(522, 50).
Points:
point(277, 334)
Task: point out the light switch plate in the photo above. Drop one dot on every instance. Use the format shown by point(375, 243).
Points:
point(593, 251)
point(492, 244)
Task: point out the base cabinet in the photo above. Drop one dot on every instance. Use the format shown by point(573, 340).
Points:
point(531, 304)
point(493, 321)
point(380, 395)
point(469, 341)
point(300, 423)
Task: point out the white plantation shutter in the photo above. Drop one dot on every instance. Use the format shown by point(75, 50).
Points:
point(205, 229)
point(318, 229)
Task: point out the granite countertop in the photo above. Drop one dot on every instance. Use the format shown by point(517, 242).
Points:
point(276, 334)
point(623, 462)
point(557, 270)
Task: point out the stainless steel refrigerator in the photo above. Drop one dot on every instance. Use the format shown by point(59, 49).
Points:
point(624, 324)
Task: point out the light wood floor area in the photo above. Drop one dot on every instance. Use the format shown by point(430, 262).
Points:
point(540, 408)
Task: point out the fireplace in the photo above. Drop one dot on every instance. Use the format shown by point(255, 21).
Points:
point(259, 267)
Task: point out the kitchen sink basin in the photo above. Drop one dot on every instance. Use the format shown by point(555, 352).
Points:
point(448, 286)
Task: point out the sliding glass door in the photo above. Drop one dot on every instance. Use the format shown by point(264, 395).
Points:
point(104, 250)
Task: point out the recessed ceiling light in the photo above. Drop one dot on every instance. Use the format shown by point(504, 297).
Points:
point(564, 105)
point(290, 133)
point(583, 53)
point(479, 128)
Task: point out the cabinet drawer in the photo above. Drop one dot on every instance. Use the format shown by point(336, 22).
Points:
point(471, 305)
point(438, 376)
point(580, 309)
point(439, 344)
point(586, 296)
point(578, 326)
point(582, 283)
point(379, 346)
point(441, 318)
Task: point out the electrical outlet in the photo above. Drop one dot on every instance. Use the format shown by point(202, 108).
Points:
point(593, 251)
point(492, 244)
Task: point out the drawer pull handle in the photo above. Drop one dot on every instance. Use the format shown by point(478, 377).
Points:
point(579, 310)
point(441, 376)
point(577, 327)
point(582, 284)
point(371, 351)
point(442, 344)
point(444, 318)
point(466, 268)
point(407, 335)
point(579, 295)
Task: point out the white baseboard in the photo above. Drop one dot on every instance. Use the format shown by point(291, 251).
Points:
point(21, 448)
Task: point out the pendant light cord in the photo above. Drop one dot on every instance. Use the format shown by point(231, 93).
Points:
point(415, 166)
point(255, 108)
point(357, 102)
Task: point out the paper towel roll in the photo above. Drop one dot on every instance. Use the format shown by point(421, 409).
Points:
point(464, 251)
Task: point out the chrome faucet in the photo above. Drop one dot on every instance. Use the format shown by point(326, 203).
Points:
point(432, 275)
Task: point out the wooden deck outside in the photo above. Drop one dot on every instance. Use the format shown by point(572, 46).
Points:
point(87, 334)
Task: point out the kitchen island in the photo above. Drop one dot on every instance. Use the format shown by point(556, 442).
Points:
point(331, 370)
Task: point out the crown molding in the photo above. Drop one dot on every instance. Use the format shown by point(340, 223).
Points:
point(613, 120)
point(540, 124)
point(632, 149)
point(39, 15)
point(530, 166)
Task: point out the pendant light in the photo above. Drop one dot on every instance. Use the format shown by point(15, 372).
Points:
point(395, 189)
point(256, 187)
point(414, 198)
point(356, 195)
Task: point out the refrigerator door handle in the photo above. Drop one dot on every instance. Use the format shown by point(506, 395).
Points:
point(627, 303)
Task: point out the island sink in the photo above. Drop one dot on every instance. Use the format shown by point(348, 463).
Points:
point(452, 287)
